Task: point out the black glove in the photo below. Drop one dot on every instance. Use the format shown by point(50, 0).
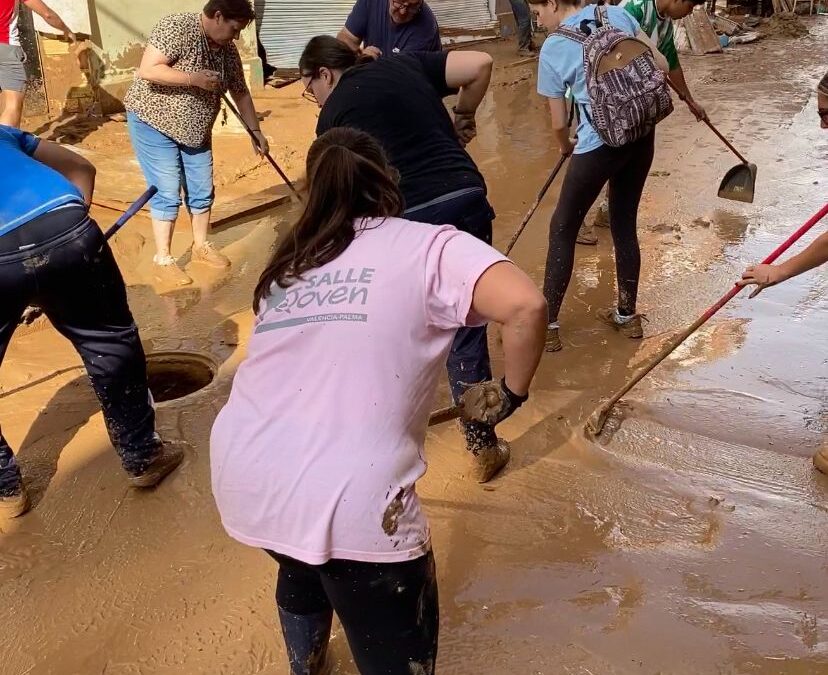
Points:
point(490, 402)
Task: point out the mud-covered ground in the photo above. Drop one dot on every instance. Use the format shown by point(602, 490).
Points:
point(692, 540)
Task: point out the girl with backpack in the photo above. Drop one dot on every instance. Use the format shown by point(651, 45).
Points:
point(617, 79)
point(317, 453)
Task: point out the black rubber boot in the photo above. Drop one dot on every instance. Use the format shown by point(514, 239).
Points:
point(306, 638)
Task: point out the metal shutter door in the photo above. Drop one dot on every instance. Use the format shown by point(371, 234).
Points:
point(457, 15)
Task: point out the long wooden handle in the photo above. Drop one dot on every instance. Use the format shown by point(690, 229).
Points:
point(534, 206)
point(707, 122)
point(698, 323)
point(269, 157)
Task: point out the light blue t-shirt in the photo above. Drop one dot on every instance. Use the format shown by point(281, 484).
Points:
point(30, 188)
point(562, 66)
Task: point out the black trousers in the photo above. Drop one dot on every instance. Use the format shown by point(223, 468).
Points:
point(61, 263)
point(625, 169)
point(389, 611)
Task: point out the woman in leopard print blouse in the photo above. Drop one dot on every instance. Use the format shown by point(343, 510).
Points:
point(189, 62)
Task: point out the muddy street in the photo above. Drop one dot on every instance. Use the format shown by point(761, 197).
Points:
point(691, 538)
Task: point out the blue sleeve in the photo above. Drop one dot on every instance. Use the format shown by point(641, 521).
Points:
point(357, 21)
point(550, 82)
point(621, 18)
point(25, 141)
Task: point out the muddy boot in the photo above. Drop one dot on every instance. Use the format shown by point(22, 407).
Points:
point(553, 340)
point(821, 460)
point(159, 468)
point(628, 326)
point(490, 461)
point(167, 272)
point(12, 506)
point(209, 256)
point(587, 235)
point(527, 52)
point(306, 638)
point(489, 453)
point(601, 215)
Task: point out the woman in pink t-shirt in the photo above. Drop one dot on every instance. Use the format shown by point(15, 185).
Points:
point(316, 454)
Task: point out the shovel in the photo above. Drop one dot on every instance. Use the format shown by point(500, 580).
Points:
point(739, 182)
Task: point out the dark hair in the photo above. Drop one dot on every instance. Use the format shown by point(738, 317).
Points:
point(325, 51)
point(232, 10)
point(349, 177)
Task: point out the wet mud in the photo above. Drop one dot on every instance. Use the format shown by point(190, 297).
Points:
point(692, 539)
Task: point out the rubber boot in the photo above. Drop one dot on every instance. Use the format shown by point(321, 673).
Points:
point(306, 638)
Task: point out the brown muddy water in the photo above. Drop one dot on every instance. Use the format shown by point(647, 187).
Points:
point(692, 540)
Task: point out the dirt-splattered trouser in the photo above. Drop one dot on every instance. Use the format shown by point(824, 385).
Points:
point(389, 612)
point(60, 262)
point(468, 361)
point(626, 170)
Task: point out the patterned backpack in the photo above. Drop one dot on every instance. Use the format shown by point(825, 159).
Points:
point(627, 92)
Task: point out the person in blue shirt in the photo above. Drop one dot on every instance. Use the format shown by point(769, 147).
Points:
point(53, 255)
point(592, 165)
point(385, 27)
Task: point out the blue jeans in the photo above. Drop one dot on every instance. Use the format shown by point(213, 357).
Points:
point(61, 262)
point(523, 20)
point(172, 168)
point(468, 361)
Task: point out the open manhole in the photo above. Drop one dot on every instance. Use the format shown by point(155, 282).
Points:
point(174, 375)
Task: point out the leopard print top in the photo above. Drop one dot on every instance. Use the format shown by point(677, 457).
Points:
point(185, 114)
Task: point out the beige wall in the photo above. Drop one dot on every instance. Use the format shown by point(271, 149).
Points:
point(98, 72)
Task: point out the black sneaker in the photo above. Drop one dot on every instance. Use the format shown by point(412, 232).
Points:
point(164, 464)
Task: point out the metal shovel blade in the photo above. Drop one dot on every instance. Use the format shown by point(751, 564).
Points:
point(739, 183)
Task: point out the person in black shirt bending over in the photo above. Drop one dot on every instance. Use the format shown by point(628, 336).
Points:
point(399, 101)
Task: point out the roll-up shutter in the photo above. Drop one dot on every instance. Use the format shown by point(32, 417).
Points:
point(456, 16)
point(285, 26)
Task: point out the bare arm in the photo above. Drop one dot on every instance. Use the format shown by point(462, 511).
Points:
point(49, 16)
point(769, 275)
point(506, 295)
point(349, 39)
point(469, 72)
point(155, 67)
point(560, 124)
point(78, 170)
point(677, 78)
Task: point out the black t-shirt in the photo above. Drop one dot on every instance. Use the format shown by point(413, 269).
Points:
point(398, 100)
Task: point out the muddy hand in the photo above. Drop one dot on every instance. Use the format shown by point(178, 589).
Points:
point(465, 126)
point(490, 402)
point(209, 80)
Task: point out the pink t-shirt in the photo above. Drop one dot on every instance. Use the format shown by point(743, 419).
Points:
point(316, 453)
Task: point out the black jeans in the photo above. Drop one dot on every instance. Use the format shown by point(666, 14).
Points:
point(468, 361)
point(389, 611)
point(61, 263)
point(626, 169)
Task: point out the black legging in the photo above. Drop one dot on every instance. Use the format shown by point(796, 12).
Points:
point(389, 612)
point(626, 169)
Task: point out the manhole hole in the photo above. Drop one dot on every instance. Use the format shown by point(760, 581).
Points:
point(173, 375)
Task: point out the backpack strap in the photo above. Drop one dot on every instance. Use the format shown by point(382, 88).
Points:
point(601, 16)
point(571, 34)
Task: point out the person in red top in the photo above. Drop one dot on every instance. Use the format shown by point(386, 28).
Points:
point(12, 57)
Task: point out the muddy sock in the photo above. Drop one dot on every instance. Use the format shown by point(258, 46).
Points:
point(621, 319)
point(553, 325)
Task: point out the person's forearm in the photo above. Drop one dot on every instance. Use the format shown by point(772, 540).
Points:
point(523, 340)
point(163, 74)
point(244, 103)
point(471, 95)
point(48, 15)
point(676, 76)
point(84, 179)
point(815, 255)
point(561, 136)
